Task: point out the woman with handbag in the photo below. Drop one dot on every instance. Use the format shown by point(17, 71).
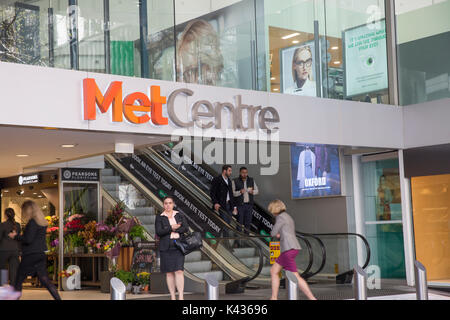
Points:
point(170, 226)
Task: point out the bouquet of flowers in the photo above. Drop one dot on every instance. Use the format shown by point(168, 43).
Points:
point(89, 234)
point(52, 232)
point(115, 215)
point(74, 223)
point(105, 232)
point(66, 274)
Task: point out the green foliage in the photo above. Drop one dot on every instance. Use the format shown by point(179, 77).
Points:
point(126, 276)
point(137, 232)
point(75, 240)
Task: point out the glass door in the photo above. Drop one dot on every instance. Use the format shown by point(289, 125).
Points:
point(383, 214)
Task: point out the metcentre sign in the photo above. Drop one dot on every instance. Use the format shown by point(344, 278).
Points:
point(139, 108)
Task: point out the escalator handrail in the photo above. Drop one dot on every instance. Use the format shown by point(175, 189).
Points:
point(366, 243)
point(199, 194)
point(315, 235)
point(182, 186)
point(323, 251)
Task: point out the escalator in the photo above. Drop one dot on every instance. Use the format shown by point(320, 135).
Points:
point(199, 176)
point(141, 185)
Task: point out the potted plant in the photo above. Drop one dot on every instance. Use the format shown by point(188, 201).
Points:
point(143, 278)
point(127, 278)
point(77, 243)
point(137, 231)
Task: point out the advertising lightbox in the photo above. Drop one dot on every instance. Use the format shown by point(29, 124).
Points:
point(365, 59)
point(315, 171)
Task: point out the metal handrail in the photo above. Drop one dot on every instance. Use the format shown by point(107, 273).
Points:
point(312, 235)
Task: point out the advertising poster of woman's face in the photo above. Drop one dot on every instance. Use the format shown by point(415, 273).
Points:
point(297, 70)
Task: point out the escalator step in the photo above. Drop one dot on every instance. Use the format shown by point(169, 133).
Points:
point(147, 219)
point(244, 252)
point(110, 179)
point(150, 228)
point(107, 172)
point(198, 266)
point(143, 211)
point(193, 256)
point(110, 186)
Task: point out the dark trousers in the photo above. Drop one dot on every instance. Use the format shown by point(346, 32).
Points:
point(35, 264)
point(10, 258)
point(226, 215)
point(245, 214)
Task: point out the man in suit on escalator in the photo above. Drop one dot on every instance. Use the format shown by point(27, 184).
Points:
point(222, 198)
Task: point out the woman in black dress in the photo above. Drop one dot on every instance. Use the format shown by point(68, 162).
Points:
point(9, 248)
point(169, 226)
point(34, 260)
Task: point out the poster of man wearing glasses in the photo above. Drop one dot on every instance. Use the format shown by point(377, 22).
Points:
point(297, 70)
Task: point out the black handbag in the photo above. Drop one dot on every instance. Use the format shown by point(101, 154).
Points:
point(190, 242)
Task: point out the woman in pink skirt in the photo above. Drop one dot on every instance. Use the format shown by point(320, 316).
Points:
point(284, 229)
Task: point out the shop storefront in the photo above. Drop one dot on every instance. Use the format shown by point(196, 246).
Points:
point(84, 245)
point(429, 170)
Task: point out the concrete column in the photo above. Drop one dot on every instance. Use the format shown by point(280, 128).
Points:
point(408, 238)
point(358, 200)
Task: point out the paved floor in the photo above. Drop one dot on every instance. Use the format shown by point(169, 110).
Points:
point(390, 290)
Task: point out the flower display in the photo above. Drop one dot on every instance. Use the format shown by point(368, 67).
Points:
point(115, 215)
point(74, 225)
point(66, 274)
point(143, 278)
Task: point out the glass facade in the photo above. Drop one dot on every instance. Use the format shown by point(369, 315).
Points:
point(423, 43)
point(331, 49)
point(383, 216)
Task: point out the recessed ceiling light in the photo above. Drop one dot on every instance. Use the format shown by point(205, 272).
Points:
point(273, 78)
point(5, 190)
point(337, 62)
point(22, 155)
point(276, 89)
point(39, 196)
point(334, 48)
point(34, 192)
point(68, 145)
point(295, 41)
point(290, 35)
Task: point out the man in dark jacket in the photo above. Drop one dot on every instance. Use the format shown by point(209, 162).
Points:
point(222, 196)
point(9, 248)
point(244, 188)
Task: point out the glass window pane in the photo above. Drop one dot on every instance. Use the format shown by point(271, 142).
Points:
point(356, 56)
point(24, 32)
point(125, 37)
point(91, 36)
point(216, 43)
point(289, 33)
point(81, 198)
point(423, 44)
point(387, 249)
point(160, 42)
point(382, 190)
